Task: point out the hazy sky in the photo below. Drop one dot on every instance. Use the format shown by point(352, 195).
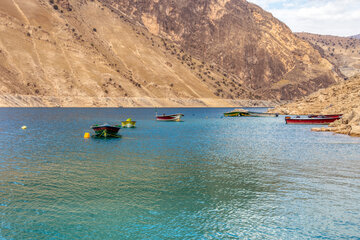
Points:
point(334, 17)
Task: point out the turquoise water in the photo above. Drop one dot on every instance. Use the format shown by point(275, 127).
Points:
point(205, 178)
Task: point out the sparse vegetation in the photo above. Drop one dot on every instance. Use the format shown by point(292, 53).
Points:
point(344, 52)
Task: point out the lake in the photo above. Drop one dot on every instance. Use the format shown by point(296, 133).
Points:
point(207, 177)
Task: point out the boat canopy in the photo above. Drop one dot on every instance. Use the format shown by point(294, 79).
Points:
point(240, 110)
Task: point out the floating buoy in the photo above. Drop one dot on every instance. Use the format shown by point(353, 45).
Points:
point(24, 127)
point(87, 135)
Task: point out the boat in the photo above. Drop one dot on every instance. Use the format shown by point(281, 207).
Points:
point(321, 120)
point(106, 130)
point(258, 114)
point(237, 113)
point(169, 118)
point(246, 113)
point(326, 116)
point(129, 123)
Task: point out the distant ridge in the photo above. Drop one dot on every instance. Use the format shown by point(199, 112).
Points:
point(344, 52)
point(356, 36)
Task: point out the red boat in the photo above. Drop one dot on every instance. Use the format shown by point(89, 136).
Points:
point(322, 120)
point(170, 118)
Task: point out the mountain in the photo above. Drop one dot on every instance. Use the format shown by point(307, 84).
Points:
point(342, 97)
point(240, 37)
point(62, 54)
point(151, 53)
point(356, 36)
point(344, 52)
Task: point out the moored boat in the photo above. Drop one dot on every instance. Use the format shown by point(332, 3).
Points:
point(237, 113)
point(257, 114)
point(129, 123)
point(246, 113)
point(311, 120)
point(169, 118)
point(106, 130)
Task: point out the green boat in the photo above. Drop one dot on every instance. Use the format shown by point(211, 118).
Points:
point(106, 131)
point(246, 113)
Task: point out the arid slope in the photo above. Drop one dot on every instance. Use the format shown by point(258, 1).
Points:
point(151, 53)
point(73, 59)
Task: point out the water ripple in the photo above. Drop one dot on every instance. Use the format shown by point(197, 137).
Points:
point(205, 178)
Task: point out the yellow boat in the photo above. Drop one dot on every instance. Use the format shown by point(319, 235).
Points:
point(128, 123)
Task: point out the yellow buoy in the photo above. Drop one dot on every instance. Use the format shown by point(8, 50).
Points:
point(24, 127)
point(87, 135)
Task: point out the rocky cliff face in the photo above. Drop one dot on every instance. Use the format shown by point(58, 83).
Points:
point(150, 53)
point(342, 98)
point(241, 38)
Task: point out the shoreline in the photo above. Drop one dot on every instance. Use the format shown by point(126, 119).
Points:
point(136, 107)
point(31, 101)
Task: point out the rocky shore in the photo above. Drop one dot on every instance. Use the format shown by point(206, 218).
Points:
point(341, 98)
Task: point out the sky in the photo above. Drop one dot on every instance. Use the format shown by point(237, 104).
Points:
point(328, 17)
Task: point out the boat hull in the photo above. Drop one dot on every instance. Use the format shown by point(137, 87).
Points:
point(250, 114)
point(255, 114)
point(236, 114)
point(169, 118)
point(128, 124)
point(106, 131)
point(311, 121)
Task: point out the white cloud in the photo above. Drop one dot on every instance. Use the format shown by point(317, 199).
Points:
point(335, 17)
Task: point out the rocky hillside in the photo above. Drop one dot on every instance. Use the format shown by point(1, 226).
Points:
point(151, 53)
point(59, 53)
point(241, 38)
point(341, 98)
point(344, 52)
